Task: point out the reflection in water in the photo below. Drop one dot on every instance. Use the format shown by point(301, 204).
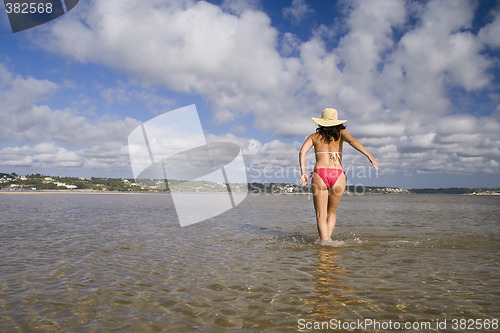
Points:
point(330, 290)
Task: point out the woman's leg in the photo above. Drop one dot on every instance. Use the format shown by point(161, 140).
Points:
point(320, 199)
point(336, 193)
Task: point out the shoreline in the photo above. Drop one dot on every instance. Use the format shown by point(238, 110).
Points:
point(17, 192)
point(76, 192)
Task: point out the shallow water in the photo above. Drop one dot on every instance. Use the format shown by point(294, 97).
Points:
point(79, 262)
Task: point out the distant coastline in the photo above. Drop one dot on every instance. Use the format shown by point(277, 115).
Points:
point(37, 183)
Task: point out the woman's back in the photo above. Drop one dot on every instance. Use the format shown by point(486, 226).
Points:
point(328, 155)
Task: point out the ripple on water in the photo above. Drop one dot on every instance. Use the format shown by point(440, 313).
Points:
point(84, 263)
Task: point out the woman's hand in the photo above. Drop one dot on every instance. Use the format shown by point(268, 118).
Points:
point(373, 162)
point(303, 179)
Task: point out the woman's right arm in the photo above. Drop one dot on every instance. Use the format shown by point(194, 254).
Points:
point(306, 146)
point(347, 137)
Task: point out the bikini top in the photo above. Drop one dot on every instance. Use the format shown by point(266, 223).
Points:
point(333, 155)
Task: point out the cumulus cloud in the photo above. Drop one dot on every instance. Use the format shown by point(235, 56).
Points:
point(239, 6)
point(123, 93)
point(489, 34)
point(233, 59)
point(193, 47)
point(297, 11)
point(53, 138)
point(27, 119)
point(49, 156)
point(267, 161)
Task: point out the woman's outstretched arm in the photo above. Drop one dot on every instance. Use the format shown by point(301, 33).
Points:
point(302, 160)
point(347, 137)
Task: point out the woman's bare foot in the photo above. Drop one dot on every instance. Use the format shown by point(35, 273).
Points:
point(330, 242)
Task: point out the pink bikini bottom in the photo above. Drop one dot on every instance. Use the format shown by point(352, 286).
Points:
point(329, 175)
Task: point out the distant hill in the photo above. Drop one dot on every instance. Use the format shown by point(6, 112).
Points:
point(38, 182)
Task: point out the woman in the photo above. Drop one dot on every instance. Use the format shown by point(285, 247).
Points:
point(328, 178)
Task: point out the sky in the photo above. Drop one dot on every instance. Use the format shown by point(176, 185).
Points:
point(417, 81)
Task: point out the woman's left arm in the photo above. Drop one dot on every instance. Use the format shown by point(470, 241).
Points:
point(347, 137)
point(306, 146)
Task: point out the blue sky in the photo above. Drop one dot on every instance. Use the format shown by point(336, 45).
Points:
point(418, 82)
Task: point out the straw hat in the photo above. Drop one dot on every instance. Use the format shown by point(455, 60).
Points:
point(329, 117)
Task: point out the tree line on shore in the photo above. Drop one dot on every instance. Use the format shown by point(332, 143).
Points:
point(38, 182)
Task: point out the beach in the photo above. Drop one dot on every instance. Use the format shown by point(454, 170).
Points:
point(95, 262)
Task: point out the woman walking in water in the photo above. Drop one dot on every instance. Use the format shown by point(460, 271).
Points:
point(328, 178)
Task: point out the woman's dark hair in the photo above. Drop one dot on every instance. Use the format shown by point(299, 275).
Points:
point(330, 133)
